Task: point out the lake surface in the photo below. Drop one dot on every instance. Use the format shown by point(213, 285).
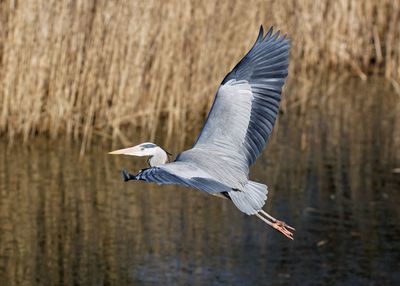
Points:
point(332, 168)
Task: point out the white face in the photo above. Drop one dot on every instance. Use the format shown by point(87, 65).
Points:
point(144, 149)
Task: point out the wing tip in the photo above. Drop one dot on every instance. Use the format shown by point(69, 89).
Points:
point(270, 31)
point(260, 34)
point(125, 176)
point(261, 42)
point(277, 36)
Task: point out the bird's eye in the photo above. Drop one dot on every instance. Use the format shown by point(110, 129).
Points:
point(142, 148)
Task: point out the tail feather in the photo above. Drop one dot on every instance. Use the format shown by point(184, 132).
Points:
point(251, 199)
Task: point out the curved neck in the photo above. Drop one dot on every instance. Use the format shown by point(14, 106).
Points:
point(159, 157)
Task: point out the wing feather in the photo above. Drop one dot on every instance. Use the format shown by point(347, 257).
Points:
point(182, 173)
point(247, 102)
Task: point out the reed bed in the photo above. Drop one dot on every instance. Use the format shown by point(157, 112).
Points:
point(85, 68)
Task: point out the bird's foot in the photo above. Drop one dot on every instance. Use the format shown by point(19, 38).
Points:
point(282, 227)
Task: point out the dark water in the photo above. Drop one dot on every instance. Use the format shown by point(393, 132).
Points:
point(331, 170)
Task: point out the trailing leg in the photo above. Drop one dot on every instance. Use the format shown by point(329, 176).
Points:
point(278, 225)
point(271, 218)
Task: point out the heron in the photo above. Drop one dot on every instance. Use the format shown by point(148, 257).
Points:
point(233, 136)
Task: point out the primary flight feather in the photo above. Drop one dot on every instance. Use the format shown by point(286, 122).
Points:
point(235, 133)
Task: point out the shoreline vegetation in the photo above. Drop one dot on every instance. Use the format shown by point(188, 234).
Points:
point(97, 68)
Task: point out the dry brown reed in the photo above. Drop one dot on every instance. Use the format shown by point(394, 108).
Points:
point(89, 67)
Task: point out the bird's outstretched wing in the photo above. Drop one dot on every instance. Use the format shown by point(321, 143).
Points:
point(247, 102)
point(182, 173)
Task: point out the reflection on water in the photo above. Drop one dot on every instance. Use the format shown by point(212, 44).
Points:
point(331, 171)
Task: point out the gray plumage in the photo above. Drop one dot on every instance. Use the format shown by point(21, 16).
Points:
point(236, 130)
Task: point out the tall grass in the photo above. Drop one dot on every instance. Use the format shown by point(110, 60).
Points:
point(89, 67)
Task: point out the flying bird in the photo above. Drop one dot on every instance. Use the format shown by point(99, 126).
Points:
point(236, 131)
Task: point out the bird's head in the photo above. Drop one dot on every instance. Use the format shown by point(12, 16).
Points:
point(157, 155)
point(144, 149)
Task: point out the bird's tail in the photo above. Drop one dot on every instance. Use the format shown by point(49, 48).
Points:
point(251, 199)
